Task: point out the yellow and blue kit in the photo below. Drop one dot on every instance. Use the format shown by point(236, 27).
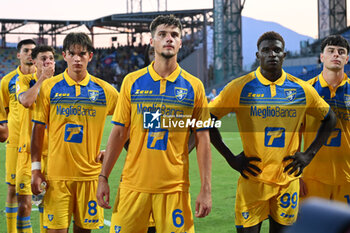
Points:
point(269, 116)
point(3, 115)
point(157, 111)
point(23, 84)
point(331, 164)
point(9, 100)
point(75, 114)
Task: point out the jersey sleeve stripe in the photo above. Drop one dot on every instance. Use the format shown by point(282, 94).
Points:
point(117, 123)
point(39, 122)
point(206, 128)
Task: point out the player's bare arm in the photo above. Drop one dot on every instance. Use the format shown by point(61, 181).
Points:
point(240, 162)
point(114, 147)
point(36, 149)
point(301, 159)
point(3, 132)
point(203, 202)
point(102, 153)
point(28, 98)
point(191, 142)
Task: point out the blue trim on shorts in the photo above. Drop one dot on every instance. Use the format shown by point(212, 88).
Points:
point(101, 227)
point(8, 183)
point(45, 227)
point(239, 226)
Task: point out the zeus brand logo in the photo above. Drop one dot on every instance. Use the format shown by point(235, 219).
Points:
point(138, 91)
point(250, 94)
point(61, 94)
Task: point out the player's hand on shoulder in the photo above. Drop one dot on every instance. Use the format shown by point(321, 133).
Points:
point(242, 164)
point(298, 162)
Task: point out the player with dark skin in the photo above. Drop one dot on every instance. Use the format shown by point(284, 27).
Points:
point(271, 55)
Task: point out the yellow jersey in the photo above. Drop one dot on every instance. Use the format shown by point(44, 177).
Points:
point(23, 84)
point(331, 165)
point(9, 100)
point(159, 113)
point(269, 116)
point(75, 115)
point(3, 114)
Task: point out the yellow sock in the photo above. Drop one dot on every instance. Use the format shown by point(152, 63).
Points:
point(24, 225)
point(41, 211)
point(11, 217)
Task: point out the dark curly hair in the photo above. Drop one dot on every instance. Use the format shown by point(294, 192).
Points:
point(270, 36)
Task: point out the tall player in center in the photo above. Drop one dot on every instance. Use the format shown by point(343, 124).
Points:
point(155, 177)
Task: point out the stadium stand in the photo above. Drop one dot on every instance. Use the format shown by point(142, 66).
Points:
point(110, 64)
point(8, 61)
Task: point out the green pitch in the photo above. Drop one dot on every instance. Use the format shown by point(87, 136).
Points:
point(224, 179)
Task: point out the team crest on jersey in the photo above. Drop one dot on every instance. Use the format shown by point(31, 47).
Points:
point(290, 94)
point(245, 215)
point(50, 217)
point(12, 88)
point(93, 95)
point(347, 100)
point(21, 185)
point(117, 228)
point(180, 93)
point(13, 176)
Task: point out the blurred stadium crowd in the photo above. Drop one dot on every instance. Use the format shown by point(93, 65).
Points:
point(109, 64)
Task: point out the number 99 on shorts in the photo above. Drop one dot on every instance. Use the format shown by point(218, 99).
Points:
point(288, 200)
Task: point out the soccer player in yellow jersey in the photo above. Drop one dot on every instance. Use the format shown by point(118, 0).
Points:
point(3, 124)
point(155, 175)
point(270, 106)
point(9, 100)
point(328, 176)
point(73, 105)
point(27, 88)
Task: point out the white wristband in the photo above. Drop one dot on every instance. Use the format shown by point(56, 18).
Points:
point(36, 166)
